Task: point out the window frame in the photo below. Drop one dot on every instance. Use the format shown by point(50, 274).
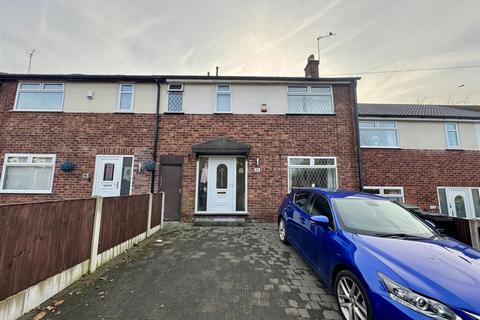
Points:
point(41, 84)
point(310, 93)
point(477, 131)
point(217, 92)
point(376, 127)
point(311, 165)
point(383, 188)
point(457, 132)
point(29, 163)
point(119, 97)
point(170, 90)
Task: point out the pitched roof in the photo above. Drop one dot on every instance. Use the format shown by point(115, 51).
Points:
point(163, 78)
point(430, 111)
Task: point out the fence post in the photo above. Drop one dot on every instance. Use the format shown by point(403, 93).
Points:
point(163, 209)
point(96, 234)
point(150, 207)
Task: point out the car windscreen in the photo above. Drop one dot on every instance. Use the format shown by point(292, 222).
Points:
point(379, 217)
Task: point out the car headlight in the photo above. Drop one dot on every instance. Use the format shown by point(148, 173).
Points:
point(414, 301)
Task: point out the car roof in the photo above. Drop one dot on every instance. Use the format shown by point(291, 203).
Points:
point(340, 194)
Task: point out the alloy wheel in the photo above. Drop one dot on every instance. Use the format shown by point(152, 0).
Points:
point(351, 300)
point(281, 230)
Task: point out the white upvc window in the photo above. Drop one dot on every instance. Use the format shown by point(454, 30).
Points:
point(223, 100)
point(126, 97)
point(378, 134)
point(306, 172)
point(451, 131)
point(391, 193)
point(175, 97)
point(27, 173)
point(316, 99)
point(39, 96)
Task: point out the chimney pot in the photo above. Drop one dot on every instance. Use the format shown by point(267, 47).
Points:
point(311, 69)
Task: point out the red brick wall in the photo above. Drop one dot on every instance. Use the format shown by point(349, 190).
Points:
point(273, 138)
point(420, 172)
point(78, 137)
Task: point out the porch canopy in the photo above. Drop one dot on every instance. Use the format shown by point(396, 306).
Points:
point(221, 146)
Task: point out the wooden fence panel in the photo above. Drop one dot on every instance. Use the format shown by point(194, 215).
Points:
point(122, 219)
point(39, 240)
point(461, 231)
point(156, 209)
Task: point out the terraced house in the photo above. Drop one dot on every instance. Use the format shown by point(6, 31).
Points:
point(225, 147)
point(428, 155)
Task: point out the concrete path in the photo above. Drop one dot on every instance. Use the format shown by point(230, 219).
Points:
point(200, 273)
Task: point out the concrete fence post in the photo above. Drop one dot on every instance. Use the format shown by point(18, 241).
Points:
point(97, 220)
point(149, 219)
point(474, 226)
point(163, 209)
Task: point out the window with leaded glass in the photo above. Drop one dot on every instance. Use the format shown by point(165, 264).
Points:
point(310, 99)
point(318, 172)
point(175, 97)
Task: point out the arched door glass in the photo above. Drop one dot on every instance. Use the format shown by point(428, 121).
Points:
point(460, 207)
point(222, 173)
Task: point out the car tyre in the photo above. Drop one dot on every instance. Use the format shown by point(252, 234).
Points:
point(282, 231)
point(352, 299)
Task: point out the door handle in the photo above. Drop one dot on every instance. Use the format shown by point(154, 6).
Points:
point(179, 190)
point(117, 185)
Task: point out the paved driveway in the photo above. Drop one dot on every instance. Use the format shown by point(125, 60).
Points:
point(201, 273)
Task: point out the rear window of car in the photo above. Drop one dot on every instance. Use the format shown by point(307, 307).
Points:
point(301, 198)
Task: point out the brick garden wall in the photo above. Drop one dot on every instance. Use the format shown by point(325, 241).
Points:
point(78, 137)
point(420, 172)
point(273, 138)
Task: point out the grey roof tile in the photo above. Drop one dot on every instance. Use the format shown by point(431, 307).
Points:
point(415, 111)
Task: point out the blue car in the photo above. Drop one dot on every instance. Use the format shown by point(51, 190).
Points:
point(379, 260)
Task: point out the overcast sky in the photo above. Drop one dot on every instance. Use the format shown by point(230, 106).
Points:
point(255, 37)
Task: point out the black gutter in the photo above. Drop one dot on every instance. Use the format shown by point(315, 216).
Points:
point(155, 137)
point(357, 127)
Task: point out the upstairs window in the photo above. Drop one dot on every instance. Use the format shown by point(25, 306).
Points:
point(223, 99)
point(451, 130)
point(378, 134)
point(27, 173)
point(39, 96)
point(310, 99)
point(175, 98)
point(125, 97)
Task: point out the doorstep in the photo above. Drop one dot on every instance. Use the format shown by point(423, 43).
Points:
point(219, 219)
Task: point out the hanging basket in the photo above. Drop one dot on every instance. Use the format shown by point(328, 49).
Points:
point(67, 166)
point(149, 165)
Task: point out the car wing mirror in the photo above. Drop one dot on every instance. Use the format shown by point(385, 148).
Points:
point(320, 220)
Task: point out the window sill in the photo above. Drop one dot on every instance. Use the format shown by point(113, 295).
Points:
point(173, 112)
point(455, 149)
point(379, 147)
point(54, 111)
point(25, 192)
point(127, 112)
point(217, 112)
point(310, 114)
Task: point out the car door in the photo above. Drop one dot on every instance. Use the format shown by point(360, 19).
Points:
point(296, 216)
point(318, 240)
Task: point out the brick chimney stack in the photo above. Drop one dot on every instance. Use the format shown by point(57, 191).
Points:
point(311, 69)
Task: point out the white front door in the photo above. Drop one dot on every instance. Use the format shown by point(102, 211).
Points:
point(221, 189)
point(459, 203)
point(108, 176)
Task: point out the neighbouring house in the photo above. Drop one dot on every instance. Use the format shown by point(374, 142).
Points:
point(226, 147)
point(428, 155)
